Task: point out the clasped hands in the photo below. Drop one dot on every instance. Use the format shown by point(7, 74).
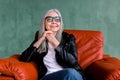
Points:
point(50, 36)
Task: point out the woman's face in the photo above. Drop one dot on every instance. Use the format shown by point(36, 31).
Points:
point(52, 22)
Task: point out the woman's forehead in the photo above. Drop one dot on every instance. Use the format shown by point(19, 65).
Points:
point(52, 13)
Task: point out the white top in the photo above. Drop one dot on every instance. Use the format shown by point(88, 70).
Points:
point(50, 61)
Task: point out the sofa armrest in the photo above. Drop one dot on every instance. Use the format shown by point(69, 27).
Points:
point(104, 69)
point(19, 70)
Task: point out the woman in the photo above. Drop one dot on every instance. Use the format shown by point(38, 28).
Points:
point(54, 51)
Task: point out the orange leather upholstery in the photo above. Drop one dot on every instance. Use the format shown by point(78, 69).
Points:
point(12, 69)
point(90, 46)
point(104, 69)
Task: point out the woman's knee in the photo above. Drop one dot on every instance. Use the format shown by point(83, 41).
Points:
point(73, 73)
point(70, 71)
point(66, 74)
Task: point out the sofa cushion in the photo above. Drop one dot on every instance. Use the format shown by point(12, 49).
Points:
point(104, 69)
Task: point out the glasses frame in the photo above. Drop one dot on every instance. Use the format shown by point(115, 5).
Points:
point(51, 18)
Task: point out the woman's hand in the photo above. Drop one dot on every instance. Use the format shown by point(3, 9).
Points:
point(40, 40)
point(50, 36)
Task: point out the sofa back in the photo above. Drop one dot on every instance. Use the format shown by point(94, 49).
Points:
point(90, 45)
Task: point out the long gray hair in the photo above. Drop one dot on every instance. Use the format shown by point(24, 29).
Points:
point(43, 47)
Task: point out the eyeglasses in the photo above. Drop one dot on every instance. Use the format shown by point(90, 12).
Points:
point(56, 18)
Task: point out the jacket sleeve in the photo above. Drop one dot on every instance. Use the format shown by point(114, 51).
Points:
point(27, 54)
point(66, 51)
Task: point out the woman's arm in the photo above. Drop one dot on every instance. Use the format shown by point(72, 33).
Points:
point(67, 51)
point(25, 56)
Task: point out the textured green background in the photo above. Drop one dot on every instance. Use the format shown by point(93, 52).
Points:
point(19, 20)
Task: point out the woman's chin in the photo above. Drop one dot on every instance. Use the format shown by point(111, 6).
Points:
point(53, 30)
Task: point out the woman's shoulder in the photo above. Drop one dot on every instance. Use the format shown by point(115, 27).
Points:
point(67, 35)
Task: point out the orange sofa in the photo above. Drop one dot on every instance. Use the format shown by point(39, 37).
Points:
point(91, 57)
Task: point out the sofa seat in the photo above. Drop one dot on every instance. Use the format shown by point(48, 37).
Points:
point(106, 68)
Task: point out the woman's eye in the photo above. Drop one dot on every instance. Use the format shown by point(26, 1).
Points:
point(49, 19)
point(57, 20)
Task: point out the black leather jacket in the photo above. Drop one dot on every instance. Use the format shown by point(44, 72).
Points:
point(66, 55)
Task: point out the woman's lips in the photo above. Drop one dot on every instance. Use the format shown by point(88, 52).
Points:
point(53, 26)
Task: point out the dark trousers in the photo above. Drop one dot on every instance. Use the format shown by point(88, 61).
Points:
point(66, 74)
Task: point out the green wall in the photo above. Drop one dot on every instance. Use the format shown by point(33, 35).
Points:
point(19, 20)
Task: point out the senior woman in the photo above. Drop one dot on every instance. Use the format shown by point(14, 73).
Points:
point(54, 51)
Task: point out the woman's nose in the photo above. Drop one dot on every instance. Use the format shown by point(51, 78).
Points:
point(53, 21)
